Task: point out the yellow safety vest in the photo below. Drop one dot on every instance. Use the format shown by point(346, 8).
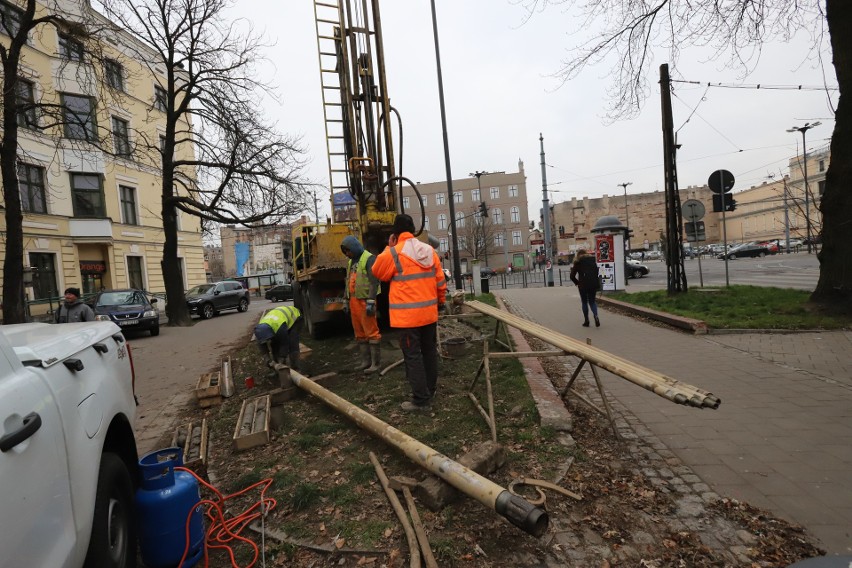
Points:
point(283, 315)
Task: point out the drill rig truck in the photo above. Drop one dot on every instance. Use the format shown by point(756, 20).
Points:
point(357, 114)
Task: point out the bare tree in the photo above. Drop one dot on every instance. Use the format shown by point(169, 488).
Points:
point(43, 111)
point(736, 29)
point(222, 161)
point(477, 236)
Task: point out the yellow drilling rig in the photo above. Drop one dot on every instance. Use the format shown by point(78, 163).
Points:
point(357, 113)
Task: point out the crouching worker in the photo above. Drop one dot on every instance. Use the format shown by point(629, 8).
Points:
point(277, 335)
point(360, 294)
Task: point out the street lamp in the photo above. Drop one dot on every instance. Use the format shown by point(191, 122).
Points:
point(478, 175)
point(803, 130)
point(626, 213)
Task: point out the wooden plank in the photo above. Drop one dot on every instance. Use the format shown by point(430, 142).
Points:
point(209, 401)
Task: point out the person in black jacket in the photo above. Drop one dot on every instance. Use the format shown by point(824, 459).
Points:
point(584, 273)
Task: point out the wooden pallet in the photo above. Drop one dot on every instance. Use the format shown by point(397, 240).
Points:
point(252, 428)
point(192, 438)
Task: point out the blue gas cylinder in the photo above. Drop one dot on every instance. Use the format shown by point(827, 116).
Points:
point(164, 501)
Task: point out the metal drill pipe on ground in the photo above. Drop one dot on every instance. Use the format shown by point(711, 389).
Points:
point(659, 384)
point(516, 510)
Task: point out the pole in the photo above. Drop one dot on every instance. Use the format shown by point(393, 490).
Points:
point(804, 130)
point(695, 231)
point(724, 225)
point(316, 208)
point(786, 218)
point(455, 243)
point(545, 205)
point(627, 230)
point(506, 248)
point(675, 273)
point(478, 175)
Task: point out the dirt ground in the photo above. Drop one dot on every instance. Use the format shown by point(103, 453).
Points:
point(330, 510)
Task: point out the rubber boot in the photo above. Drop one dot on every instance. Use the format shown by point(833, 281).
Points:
point(364, 347)
point(375, 348)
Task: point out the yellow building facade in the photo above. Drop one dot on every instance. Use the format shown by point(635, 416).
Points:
point(91, 187)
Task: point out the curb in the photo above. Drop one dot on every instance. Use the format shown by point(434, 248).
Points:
point(551, 408)
point(695, 326)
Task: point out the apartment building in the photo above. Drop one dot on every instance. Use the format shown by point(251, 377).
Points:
point(498, 240)
point(90, 191)
point(256, 250)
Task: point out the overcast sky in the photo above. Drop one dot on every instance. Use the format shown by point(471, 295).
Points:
point(500, 94)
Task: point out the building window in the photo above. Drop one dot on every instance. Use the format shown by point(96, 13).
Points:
point(134, 272)
point(70, 48)
point(405, 203)
point(31, 187)
point(474, 195)
point(498, 240)
point(128, 205)
point(160, 98)
point(425, 201)
point(442, 244)
point(513, 191)
point(439, 199)
point(515, 214)
point(44, 275)
point(822, 165)
point(495, 193)
point(442, 221)
point(114, 74)
point(516, 238)
point(79, 117)
point(457, 196)
point(821, 187)
point(25, 102)
point(497, 216)
point(10, 19)
point(87, 195)
point(121, 137)
point(459, 220)
point(462, 242)
point(426, 222)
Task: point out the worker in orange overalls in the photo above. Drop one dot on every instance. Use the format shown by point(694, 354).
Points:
point(360, 294)
point(417, 292)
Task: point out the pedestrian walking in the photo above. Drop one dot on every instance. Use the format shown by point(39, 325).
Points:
point(584, 273)
point(418, 290)
point(73, 310)
point(361, 288)
point(277, 335)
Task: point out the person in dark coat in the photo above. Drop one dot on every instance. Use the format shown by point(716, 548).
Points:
point(584, 273)
point(73, 310)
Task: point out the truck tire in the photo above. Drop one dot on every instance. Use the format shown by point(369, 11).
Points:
point(113, 540)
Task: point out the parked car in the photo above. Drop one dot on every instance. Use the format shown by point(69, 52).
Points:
point(636, 269)
point(484, 272)
point(69, 459)
point(207, 300)
point(793, 243)
point(745, 250)
point(771, 246)
point(280, 293)
point(131, 309)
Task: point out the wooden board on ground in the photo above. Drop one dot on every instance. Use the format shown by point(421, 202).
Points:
point(192, 439)
point(208, 385)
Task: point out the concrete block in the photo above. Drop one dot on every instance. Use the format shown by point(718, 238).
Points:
point(485, 458)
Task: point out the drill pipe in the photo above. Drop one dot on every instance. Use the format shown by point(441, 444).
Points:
point(662, 385)
point(514, 508)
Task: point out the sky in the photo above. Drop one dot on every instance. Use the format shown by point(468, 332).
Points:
point(501, 94)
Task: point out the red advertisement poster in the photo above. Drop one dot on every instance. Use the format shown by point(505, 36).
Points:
point(604, 248)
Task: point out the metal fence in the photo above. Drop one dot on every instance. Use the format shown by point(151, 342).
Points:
point(523, 279)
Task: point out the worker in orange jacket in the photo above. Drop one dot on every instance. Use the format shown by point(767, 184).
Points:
point(417, 292)
point(360, 300)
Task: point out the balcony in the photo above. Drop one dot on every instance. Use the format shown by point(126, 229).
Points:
point(90, 228)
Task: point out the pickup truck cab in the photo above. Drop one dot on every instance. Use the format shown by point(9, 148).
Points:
point(67, 448)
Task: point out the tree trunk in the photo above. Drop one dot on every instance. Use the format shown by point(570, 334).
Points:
point(14, 310)
point(834, 289)
point(176, 309)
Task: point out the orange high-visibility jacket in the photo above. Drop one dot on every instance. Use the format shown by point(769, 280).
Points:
point(417, 281)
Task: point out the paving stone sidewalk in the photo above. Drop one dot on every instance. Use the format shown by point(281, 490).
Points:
point(782, 438)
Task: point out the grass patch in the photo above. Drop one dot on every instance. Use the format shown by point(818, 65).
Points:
point(305, 495)
point(741, 307)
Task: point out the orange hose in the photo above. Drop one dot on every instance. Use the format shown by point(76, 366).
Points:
point(223, 531)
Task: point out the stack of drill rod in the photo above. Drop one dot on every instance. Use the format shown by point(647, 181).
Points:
point(658, 383)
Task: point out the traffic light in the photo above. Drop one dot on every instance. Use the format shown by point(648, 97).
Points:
point(483, 209)
point(729, 202)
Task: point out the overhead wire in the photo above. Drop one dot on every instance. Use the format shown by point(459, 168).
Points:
point(759, 86)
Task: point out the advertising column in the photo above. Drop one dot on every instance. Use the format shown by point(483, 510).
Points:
point(609, 254)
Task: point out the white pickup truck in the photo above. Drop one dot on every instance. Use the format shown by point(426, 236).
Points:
point(67, 450)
